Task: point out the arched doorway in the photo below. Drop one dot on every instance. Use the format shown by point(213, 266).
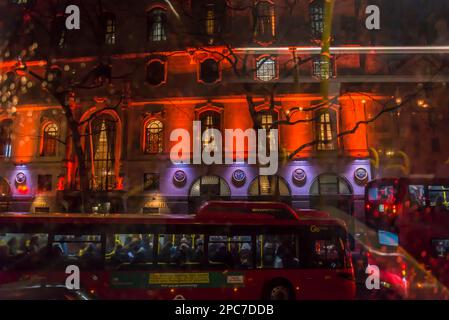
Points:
point(332, 191)
point(269, 188)
point(5, 195)
point(207, 188)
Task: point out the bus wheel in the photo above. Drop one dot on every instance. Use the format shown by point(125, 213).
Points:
point(279, 290)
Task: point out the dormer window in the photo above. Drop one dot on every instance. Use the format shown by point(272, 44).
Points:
point(265, 26)
point(109, 25)
point(316, 15)
point(157, 24)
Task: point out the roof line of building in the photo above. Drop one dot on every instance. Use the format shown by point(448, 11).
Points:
point(352, 49)
point(273, 50)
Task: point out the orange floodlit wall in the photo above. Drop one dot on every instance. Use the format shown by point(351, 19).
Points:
point(25, 136)
point(352, 112)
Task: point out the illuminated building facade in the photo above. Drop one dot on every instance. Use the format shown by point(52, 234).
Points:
point(179, 70)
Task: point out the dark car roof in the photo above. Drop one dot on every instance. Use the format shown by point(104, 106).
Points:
point(40, 291)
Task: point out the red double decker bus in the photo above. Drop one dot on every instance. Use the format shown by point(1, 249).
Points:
point(410, 217)
point(227, 251)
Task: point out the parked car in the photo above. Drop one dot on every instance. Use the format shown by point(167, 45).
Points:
point(33, 290)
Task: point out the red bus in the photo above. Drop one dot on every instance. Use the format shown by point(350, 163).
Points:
point(411, 216)
point(253, 251)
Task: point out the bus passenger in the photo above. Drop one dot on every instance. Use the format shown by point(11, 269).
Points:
point(166, 252)
point(13, 245)
point(285, 257)
point(199, 251)
point(88, 252)
point(33, 245)
point(4, 254)
point(182, 255)
point(57, 251)
point(245, 255)
point(223, 256)
point(118, 254)
point(268, 254)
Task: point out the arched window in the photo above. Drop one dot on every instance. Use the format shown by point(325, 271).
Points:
point(214, 13)
point(100, 152)
point(210, 120)
point(49, 139)
point(330, 184)
point(5, 189)
point(5, 138)
point(156, 25)
point(209, 71)
point(266, 69)
point(154, 137)
point(210, 187)
point(325, 130)
point(265, 26)
point(269, 186)
point(155, 72)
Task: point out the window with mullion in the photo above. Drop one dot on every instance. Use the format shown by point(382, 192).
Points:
point(325, 131)
point(265, 21)
point(5, 137)
point(156, 25)
point(101, 137)
point(266, 69)
point(266, 121)
point(210, 120)
point(50, 134)
point(154, 135)
point(109, 22)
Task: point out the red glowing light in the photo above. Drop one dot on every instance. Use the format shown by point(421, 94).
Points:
point(119, 183)
point(22, 188)
point(60, 186)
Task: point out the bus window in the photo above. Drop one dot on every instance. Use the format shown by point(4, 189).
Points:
point(384, 194)
point(83, 250)
point(439, 197)
point(129, 248)
point(417, 195)
point(440, 248)
point(22, 251)
point(328, 253)
point(277, 251)
point(180, 249)
point(232, 252)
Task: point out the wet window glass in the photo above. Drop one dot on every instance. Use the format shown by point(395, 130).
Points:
point(184, 250)
point(328, 253)
point(439, 197)
point(277, 251)
point(20, 251)
point(384, 194)
point(84, 251)
point(417, 195)
point(230, 251)
point(125, 249)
